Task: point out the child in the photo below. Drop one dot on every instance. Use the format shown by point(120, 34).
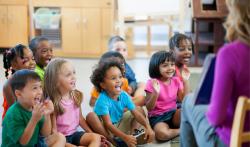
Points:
point(117, 43)
point(59, 86)
point(107, 78)
point(125, 86)
point(16, 58)
point(43, 53)
point(30, 115)
point(182, 47)
point(161, 94)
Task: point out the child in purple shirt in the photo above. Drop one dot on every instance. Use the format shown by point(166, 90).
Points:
point(162, 92)
point(210, 125)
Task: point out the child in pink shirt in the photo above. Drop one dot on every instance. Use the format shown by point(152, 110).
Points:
point(162, 92)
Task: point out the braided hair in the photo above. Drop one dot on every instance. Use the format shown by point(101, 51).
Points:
point(10, 55)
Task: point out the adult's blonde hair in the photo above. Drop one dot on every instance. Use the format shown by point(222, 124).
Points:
point(238, 21)
point(51, 86)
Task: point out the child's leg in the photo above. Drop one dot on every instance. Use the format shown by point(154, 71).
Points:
point(177, 118)
point(164, 133)
point(56, 140)
point(139, 95)
point(97, 126)
point(134, 123)
point(90, 140)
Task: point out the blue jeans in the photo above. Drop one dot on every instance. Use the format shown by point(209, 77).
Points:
point(195, 128)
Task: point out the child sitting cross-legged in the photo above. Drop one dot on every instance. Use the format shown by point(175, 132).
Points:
point(29, 116)
point(112, 101)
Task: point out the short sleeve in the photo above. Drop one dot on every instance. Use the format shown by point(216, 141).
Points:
point(129, 103)
point(94, 93)
point(149, 86)
point(15, 126)
point(179, 83)
point(101, 107)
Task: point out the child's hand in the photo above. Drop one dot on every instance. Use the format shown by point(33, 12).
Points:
point(149, 135)
point(130, 90)
point(105, 142)
point(156, 86)
point(37, 112)
point(48, 107)
point(185, 73)
point(130, 140)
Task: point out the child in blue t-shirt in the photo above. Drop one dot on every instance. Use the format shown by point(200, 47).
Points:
point(112, 101)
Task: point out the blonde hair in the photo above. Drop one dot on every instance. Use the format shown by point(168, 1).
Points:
point(238, 21)
point(51, 87)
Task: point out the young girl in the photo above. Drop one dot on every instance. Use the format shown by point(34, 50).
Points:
point(59, 85)
point(161, 94)
point(107, 78)
point(16, 58)
point(182, 47)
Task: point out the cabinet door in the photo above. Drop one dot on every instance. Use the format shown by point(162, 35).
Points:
point(71, 31)
point(107, 27)
point(3, 27)
point(92, 31)
point(18, 25)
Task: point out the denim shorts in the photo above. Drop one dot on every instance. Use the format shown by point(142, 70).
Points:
point(75, 138)
point(165, 117)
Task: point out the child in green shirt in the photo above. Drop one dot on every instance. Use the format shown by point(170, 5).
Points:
point(43, 53)
point(29, 115)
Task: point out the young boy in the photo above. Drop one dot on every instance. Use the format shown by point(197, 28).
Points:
point(28, 116)
point(43, 53)
point(117, 43)
point(112, 101)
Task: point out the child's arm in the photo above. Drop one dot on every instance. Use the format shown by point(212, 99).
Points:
point(7, 92)
point(47, 126)
point(83, 123)
point(129, 139)
point(149, 133)
point(152, 97)
point(29, 130)
point(180, 95)
point(92, 101)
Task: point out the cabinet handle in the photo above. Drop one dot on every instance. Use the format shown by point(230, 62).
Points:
point(77, 22)
point(108, 3)
point(84, 21)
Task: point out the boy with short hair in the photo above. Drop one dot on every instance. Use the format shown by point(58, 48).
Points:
point(28, 116)
point(43, 53)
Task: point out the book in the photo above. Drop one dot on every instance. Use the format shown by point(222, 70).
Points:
point(204, 89)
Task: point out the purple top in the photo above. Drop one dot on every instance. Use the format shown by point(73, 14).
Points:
point(232, 79)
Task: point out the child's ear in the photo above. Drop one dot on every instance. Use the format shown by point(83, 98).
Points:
point(18, 93)
point(102, 85)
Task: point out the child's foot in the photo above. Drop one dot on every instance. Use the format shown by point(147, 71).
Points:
point(140, 136)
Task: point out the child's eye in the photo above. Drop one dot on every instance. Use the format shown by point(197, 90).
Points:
point(190, 49)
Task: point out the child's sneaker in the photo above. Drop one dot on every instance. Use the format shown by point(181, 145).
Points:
point(140, 135)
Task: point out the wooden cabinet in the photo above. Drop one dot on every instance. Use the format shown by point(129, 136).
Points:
point(13, 24)
point(81, 31)
point(86, 26)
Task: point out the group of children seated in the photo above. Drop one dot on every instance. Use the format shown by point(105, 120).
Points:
point(42, 106)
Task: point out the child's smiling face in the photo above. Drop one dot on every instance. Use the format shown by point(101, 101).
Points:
point(167, 69)
point(44, 53)
point(183, 52)
point(67, 78)
point(27, 62)
point(112, 82)
point(121, 47)
point(30, 94)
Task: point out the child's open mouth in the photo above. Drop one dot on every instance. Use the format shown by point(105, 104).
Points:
point(37, 100)
point(118, 88)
